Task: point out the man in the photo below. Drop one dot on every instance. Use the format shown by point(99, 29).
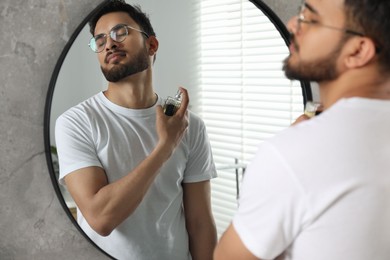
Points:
point(140, 178)
point(321, 189)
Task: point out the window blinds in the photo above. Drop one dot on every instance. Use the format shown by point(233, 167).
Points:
point(245, 97)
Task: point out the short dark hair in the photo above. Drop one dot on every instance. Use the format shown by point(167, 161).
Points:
point(135, 12)
point(371, 18)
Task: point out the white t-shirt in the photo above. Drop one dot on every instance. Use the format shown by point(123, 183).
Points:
point(321, 189)
point(100, 133)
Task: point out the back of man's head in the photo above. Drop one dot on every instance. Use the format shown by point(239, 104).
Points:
point(371, 18)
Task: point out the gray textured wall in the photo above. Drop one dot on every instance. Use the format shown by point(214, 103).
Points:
point(33, 224)
point(285, 9)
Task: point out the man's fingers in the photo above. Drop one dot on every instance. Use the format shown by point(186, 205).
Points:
point(301, 118)
point(184, 102)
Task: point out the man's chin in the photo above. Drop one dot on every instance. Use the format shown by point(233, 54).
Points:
point(293, 74)
point(288, 69)
point(120, 74)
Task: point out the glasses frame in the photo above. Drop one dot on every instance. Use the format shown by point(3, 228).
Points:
point(301, 19)
point(112, 36)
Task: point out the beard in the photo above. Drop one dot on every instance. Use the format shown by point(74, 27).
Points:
point(137, 63)
point(322, 69)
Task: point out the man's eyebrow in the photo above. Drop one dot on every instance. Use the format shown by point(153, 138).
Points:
point(310, 8)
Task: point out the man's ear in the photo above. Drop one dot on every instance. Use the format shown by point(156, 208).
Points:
point(361, 51)
point(153, 45)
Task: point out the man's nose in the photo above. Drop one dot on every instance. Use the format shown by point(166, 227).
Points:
point(292, 25)
point(110, 43)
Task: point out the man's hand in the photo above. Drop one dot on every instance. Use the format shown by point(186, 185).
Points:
point(301, 118)
point(170, 129)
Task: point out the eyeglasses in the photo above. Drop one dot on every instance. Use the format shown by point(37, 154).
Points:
point(301, 19)
point(118, 34)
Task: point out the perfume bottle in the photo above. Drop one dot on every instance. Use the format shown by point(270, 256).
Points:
point(172, 104)
point(313, 108)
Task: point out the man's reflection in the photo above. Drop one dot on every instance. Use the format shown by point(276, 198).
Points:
point(140, 178)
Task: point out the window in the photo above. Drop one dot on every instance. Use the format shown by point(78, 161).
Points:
point(244, 95)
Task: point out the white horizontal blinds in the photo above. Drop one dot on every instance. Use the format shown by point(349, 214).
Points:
point(221, 81)
point(221, 76)
point(245, 97)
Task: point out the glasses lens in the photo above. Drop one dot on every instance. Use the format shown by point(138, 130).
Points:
point(92, 45)
point(119, 33)
point(97, 43)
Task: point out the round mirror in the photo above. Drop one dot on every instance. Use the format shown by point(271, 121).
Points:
point(217, 62)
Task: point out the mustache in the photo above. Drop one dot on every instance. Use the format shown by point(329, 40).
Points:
point(114, 52)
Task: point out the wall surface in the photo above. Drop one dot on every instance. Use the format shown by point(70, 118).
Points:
point(34, 32)
point(33, 224)
point(285, 9)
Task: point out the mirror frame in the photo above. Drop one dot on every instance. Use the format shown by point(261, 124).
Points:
point(305, 86)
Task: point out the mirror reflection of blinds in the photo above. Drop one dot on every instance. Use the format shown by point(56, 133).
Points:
point(245, 97)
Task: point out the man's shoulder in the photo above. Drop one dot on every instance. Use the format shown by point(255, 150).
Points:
point(90, 103)
point(195, 121)
point(83, 110)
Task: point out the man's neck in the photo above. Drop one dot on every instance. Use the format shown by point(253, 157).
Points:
point(367, 83)
point(133, 92)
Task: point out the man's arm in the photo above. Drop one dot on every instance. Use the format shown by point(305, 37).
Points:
point(199, 220)
point(106, 205)
point(230, 247)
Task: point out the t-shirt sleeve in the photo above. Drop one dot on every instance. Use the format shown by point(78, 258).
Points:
point(200, 165)
point(74, 143)
point(271, 206)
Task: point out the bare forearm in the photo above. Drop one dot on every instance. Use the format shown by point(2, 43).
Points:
point(113, 203)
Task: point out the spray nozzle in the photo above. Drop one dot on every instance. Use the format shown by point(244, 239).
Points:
point(178, 94)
